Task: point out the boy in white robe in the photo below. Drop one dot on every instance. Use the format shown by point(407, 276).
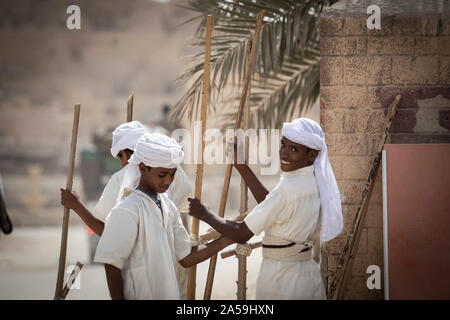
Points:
point(305, 198)
point(144, 237)
point(124, 139)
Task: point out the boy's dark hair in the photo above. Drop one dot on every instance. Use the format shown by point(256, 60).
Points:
point(129, 151)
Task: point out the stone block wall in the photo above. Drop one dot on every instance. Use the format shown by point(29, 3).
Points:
point(361, 72)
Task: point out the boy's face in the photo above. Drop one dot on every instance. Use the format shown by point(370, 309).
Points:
point(156, 180)
point(294, 156)
point(123, 158)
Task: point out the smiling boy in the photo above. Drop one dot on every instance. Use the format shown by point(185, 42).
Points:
point(305, 199)
point(144, 237)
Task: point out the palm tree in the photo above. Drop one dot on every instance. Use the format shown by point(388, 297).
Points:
point(285, 80)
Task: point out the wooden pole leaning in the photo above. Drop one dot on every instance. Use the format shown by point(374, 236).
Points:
point(226, 184)
point(130, 102)
point(242, 259)
point(199, 173)
point(346, 258)
point(65, 225)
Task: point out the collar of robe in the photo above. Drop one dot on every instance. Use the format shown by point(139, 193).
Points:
point(309, 170)
point(145, 195)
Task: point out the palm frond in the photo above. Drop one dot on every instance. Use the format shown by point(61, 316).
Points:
point(286, 63)
point(278, 97)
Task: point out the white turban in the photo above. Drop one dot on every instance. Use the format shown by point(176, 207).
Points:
point(126, 136)
point(154, 150)
point(307, 132)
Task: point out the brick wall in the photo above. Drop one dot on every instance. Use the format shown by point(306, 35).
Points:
point(361, 72)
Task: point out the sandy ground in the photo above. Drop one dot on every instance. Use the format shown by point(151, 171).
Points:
point(29, 260)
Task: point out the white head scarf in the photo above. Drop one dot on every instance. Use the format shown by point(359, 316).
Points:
point(154, 150)
point(126, 136)
point(307, 132)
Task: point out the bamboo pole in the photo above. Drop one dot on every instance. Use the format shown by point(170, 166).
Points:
point(242, 277)
point(130, 102)
point(226, 184)
point(242, 259)
point(199, 174)
point(342, 271)
point(65, 225)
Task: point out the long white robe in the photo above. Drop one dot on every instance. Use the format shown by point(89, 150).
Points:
point(146, 245)
point(290, 211)
point(179, 190)
point(110, 195)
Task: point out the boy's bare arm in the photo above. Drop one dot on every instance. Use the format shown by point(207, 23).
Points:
point(72, 201)
point(115, 282)
point(235, 230)
point(255, 186)
point(203, 252)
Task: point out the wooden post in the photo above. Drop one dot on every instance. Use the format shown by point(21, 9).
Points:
point(65, 225)
point(199, 174)
point(226, 183)
point(130, 108)
point(242, 277)
point(242, 259)
point(345, 260)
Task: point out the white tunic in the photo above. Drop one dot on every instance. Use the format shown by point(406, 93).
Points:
point(145, 245)
point(290, 211)
point(110, 195)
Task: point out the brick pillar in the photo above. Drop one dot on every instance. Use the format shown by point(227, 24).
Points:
point(361, 71)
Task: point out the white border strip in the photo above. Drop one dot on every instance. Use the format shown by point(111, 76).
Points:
point(385, 227)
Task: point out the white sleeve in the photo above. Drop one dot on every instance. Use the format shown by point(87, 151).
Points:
point(118, 238)
point(108, 199)
point(266, 212)
point(181, 237)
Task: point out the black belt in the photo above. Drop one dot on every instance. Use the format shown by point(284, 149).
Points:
point(275, 246)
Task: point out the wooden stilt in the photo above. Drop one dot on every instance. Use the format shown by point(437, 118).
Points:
point(226, 184)
point(338, 285)
point(242, 259)
point(65, 225)
point(130, 108)
point(242, 277)
point(199, 174)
